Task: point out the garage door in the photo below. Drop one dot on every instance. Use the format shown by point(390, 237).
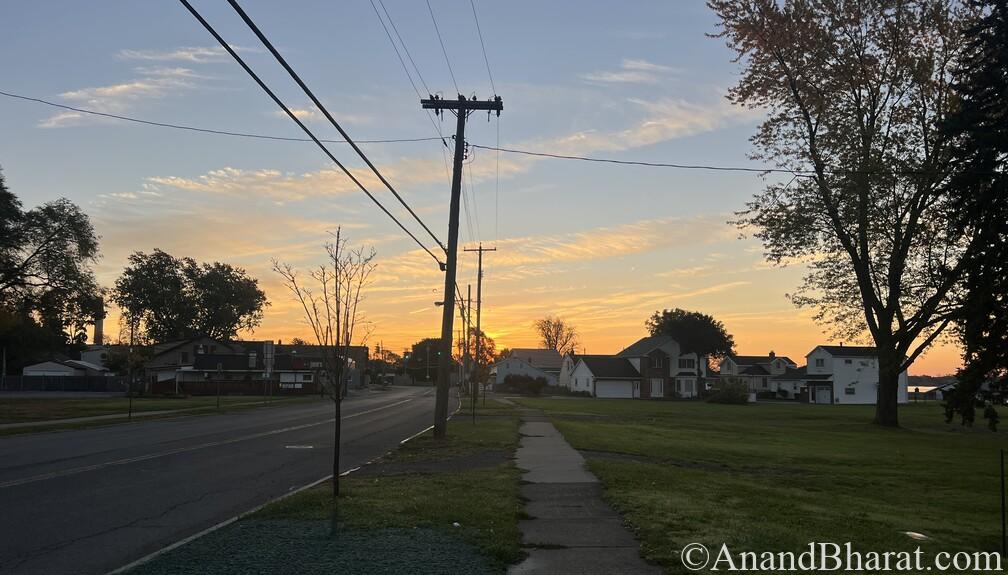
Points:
point(611, 388)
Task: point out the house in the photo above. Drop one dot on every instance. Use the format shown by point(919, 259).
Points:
point(846, 374)
point(606, 376)
point(654, 367)
point(534, 363)
point(64, 368)
point(567, 366)
point(757, 371)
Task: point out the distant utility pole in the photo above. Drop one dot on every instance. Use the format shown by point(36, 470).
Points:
point(479, 306)
point(468, 367)
point(461, 108)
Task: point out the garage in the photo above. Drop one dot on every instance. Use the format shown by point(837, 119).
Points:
point(614, 388)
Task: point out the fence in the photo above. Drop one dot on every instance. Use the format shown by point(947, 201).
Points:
point(63, 383)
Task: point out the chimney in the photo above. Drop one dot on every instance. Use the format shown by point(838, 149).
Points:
point(841, 344)
point(99, 326)
point(772, 354)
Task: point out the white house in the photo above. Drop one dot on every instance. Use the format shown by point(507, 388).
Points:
point(535, 363)
point(567, 366)
point(846, 375)
point(606, 376)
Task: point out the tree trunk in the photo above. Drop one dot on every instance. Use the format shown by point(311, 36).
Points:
point(336, 465)
point(886, 405)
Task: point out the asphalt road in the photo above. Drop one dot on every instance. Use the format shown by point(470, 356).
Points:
point(88, 501)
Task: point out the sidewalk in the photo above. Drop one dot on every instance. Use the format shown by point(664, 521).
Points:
point(573, 531)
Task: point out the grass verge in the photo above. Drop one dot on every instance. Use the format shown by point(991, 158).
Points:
point(397, 515)
point(773, 477)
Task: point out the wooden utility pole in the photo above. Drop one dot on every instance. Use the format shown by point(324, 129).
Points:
point(461, 108)
point(468, 368)
point(479, 306)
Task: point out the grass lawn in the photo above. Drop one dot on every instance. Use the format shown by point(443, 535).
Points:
point(396, 515)
point(23, 409)
point(775, 477)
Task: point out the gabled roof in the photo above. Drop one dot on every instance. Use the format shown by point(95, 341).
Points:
point(758, 359)
point(645, 345)
point(609, 367)
point(84, 365)
point(544, 359)
point(755, 369)
point(848, 350)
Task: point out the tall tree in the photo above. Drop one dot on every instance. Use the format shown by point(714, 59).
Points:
point(556, 333)
point(981, 186)
point(856, 93)
point(694, 331)
point(330, 299)
point(177, 298)
point(422, 360)
point(46, 280)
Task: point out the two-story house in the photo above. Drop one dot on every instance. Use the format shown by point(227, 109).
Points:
point(654, 367)
point(757, 371)
point(846, 375)
point(534, 363)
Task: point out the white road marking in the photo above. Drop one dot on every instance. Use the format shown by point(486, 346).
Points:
point(149, 456)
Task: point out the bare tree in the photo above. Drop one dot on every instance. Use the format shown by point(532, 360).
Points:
point(330, 297)
point(556, 333)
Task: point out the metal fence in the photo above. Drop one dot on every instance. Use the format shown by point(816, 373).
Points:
point(63, 383)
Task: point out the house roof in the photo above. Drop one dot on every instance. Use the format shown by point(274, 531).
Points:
point(848, 350)
point(544, 359)
point(757, 359)
point(645, 346)
point(800, 374)
point(84, 365)
point(755, 369)
point(609, 367)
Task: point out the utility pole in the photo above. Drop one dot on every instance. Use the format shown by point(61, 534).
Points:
point(472, 387)
point(479, 307)
point(461, 108)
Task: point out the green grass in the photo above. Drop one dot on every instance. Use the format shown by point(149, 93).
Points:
point(483, 500)
point(772, 477)
point(22, 410)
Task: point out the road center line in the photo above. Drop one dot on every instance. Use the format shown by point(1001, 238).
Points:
point(96, 466)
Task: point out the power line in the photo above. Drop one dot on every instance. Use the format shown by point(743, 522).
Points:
point(318, 104)
point(443, 50)
point(296, 120)
point(482, 45)
point(203, 130)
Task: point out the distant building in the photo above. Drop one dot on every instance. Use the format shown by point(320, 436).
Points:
point(64, 368)
point(535, 363)
point(757, 371)
point(846, 375)
point(654, 367)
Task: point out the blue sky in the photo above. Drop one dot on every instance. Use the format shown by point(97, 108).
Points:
point(601, 245)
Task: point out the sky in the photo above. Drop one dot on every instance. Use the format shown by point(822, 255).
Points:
point(601, 245)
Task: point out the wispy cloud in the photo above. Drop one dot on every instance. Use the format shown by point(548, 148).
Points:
point(194, 54)
point(631, 71)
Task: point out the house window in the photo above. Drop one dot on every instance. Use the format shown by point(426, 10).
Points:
point(848, 361)
point(183, 357)
point(306, 377)
point(655, 362)
point(687, 363)
point(820, 362)
point(764, 382)
point(849, 391)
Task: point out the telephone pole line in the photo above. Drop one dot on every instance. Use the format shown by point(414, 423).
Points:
point(461, 108)
point(479, 306)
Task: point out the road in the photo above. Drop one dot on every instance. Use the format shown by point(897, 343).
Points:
point(91, 500)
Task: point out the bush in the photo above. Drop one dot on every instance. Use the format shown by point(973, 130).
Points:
point(732, 392)
point(523, 384)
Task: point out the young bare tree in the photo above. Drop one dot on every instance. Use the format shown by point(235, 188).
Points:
point(330, 297)
point(556, 333)
point(856, 93)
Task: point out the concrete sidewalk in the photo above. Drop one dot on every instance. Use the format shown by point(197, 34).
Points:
point(573, 531)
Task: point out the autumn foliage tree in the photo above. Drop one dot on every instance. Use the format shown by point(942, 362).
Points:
point(855, 94)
